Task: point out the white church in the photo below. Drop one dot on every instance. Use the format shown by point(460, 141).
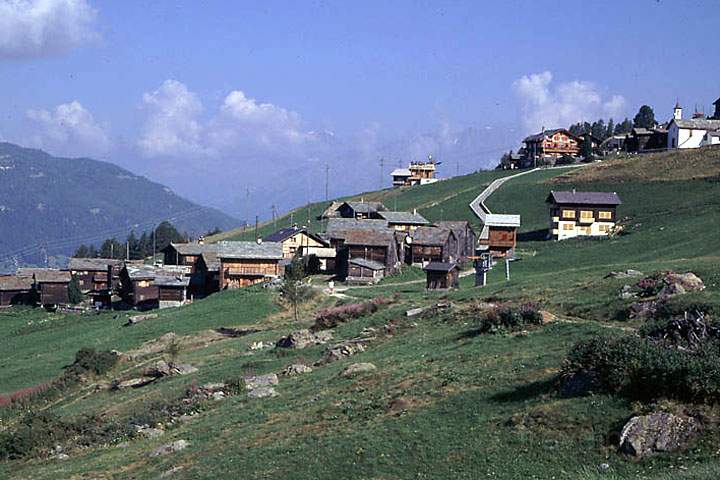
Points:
point(694, 132)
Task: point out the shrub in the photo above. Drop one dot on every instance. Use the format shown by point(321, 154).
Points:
point(506, 317)
point(332, 316)
point(643, 369)
point(88, 360)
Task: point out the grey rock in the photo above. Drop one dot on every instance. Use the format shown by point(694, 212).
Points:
point(169, 448)
point(134, 383)
point(262, 392)
point(295, 369)
point(141, 318)
point(414, 312)
point(357, 369)
point(304, 338)
point(645, 435)
point(255, 381)
point(151, 432)
point(218, 396)
point(183, 369)
point(341, 351)
point(214, 386)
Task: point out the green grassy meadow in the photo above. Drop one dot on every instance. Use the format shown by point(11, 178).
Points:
point(443, 402)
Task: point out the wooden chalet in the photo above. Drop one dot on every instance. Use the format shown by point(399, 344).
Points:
point(376, 245)
point(296, 240)
point(499, 234)
point(96, 274)
point(401, 177)
point(549, 145)
point(206, 279)
point(360, 210)
point(186, 254)
point(418, 173)
point(15, 290)
point(148, 286)
point(362, 271)
point(574, 213)
point(442, 275)
point(403, 221)
point(246, 263)
point(431, 244)
point(50, 286)
point(466, 237)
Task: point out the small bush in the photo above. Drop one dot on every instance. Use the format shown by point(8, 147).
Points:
point(505, 317)
point(643, 369)
point(332, 316)
point(88, 360)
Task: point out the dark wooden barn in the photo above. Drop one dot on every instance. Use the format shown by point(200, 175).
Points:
point(442, 275)
point(147, 286)
point(96, 274)
point(206, 279)
point(431, 244)
point(15, 290)
point(362, 271)
point(246, 263)
point(466, 237)
point(375, 245)
point(50, 286)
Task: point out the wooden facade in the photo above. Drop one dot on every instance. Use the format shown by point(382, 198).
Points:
point(15, 291)
point(550, 145)
point(364, 271)
point(186, 254)
point(442, 275)
point(499, 234)
point(247, 263)
point(575, 213)
point(96, 274)
point(360, 210)
point(296, 240)
point(147, 286)
point(431, 244)
point(371, 245)
point(465, 235)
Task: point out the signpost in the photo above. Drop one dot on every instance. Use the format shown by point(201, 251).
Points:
point(482, 265)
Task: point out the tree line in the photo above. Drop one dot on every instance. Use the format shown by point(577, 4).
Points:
point(134, 247)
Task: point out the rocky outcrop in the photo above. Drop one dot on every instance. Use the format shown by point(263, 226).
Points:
point(338, 352)
point(646, 435)
point(357, 369)
point(304, 338)
point(295, 369)
point(256, 381)
point(262, 392)
point(169, 448)
point(161, 368)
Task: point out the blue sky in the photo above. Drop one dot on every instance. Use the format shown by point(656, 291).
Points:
point(206, 96)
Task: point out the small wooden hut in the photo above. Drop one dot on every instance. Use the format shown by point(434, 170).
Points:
point(442, 275)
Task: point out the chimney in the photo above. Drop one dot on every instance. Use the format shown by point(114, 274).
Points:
point(414, 211)
point(201, 240)
point(573, 191)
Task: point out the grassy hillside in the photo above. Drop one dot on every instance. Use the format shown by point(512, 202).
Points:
point(444, 401)
point(50, 205)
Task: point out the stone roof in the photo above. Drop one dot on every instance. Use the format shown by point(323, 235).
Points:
point(502, 220)
point(373, 238)
point(440, 267)
point(371, 264)
point(547, 133)
point(171, 281)
point(698, 123)
point(430, 236)
point(250, 250)
point(12, 282)
point(337, 227)
point(93, 264)
point(407, 218)
point(152, 272)
point(583, 198)
point(45, 275)
point(366, 207)
point(212, 262)
point(193, 248)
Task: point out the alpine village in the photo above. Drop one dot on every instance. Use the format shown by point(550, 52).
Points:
point(547, 310)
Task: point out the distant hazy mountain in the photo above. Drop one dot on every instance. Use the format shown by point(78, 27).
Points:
point(50, 205)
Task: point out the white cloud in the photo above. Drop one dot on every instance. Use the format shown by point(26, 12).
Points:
point(545, 105)
point(172, 126)
point(35, 28)
point(70, 129)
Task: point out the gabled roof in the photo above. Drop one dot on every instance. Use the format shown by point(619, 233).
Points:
point(371, 264)
point(285, 233)
point(547, 133)
point(454, 225)
point(697, 123)
point(212, 262)
point(583, 198)
point(93, 264)
point(192, 248)
point(502, 220)
point(365, 207)
point(12, 282)
point(371, 238)
point(401, 172)
point(337, 227)
point(45, 275)
point(152, 272)
point(171, 281)
point(407, 218)
point(431, 236)
point(250, 250)
point(331, 211)
point(440, 267)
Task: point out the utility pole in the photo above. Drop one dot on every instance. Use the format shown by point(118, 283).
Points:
point(256, 229)
point(327, 182)
point(273, 217)
point(382, 166)
point(154, 235)
point(247, 207)
point(112, 248)
point(127, 249)
point(457, 166)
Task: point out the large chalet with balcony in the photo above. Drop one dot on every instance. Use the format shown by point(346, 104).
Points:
point(549, 145)
point(574, 213)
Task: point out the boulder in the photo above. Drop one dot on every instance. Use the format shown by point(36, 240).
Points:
point(579, 383)
point(262, 392)
point(304, 338)
point(150, 432)
point(624, 274)
point(645, 435)
point(182, 369)
point(256, 381)
point(133, 383)
point(169, 448)
point(141, 318)
point(295, 369)
point(357, 369)
point(161, 368)
point(219, 395)
point(414, 312)
point(341, 351)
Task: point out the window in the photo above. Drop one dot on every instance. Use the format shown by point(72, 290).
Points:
point(604, 227)
point(568, 213)
point(604, 215)
point(586, 214)
point(568, 226)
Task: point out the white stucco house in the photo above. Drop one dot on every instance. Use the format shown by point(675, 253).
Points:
point(693, 132)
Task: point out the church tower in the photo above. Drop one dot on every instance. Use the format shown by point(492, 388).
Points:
point(677, 111)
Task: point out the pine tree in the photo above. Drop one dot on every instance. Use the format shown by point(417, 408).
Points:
point(645, 118)
point(610, 129)
point(586, 148)
point(294, 289)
